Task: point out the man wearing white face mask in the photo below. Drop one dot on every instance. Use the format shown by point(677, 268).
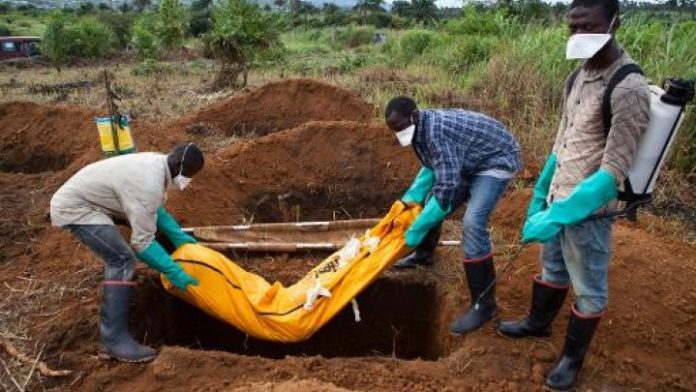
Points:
point(581, 178)
point(132, 187)
point(466, 157)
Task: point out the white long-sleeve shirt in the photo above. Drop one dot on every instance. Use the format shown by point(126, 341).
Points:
point(130, 186)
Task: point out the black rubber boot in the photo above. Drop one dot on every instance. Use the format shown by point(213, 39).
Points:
point(581, 329)
point(547, 300)
point(116, 341)
point(424, 253)
point(479, 274)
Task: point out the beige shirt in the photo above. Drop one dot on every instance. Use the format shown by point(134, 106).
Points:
point(582, 146)
point(129, 186)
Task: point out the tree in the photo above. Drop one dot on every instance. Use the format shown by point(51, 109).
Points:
point(121, 24)
point(86, 8)
point(172, 24)
point(201, 17)
point(365, 7)
point(242, 32)
point(125, 7)
point(401, 8)
point(300, 11)
point(5, 7)
point(55, 40)
point(424, 11)
point(141, 5)
point(144, 39)
point(66, 39)
point(334, 15)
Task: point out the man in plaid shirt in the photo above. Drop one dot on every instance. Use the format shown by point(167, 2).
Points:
point(466, 157)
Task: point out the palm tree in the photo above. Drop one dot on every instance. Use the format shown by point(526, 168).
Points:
point(369, 6)
point(424, 11)
point(401, 8)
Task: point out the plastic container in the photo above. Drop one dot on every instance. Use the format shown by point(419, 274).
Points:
point(666, 116)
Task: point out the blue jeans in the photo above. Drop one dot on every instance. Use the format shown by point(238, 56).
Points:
point(107, 243)
point(484, 192)
point(580, 255)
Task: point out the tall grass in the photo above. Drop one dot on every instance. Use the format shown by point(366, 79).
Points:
point(515, 72)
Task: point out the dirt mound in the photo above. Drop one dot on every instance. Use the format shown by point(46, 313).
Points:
point(279, 105)
point(40, 138)
point(319, 170)
point(37, 138)
point(41, 146)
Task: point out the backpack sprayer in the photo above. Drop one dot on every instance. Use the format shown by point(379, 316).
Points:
point(667, 108)
point(114, 131)
point(666, 116)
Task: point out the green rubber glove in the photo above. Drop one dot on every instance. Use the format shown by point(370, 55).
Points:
point(430, 217)
point(588, 196)
point(170, 227)
point(420, 187)
point(541, 188)
point(156, 257)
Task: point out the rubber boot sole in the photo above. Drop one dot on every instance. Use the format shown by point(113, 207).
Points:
point(549, 389)
point(459, 335)
point(107, 357)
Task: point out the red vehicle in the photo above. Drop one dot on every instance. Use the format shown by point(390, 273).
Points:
point(18, 47)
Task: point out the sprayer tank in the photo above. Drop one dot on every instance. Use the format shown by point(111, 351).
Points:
point(665, 119)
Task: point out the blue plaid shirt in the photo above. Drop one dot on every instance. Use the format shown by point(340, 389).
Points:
point(457, 144)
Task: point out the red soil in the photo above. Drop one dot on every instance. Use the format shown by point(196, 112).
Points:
point(311, 166)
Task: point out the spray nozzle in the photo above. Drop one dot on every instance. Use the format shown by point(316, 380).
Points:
point(679, 92)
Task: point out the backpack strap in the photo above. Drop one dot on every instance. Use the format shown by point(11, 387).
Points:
point(627, 194)
point(617, 78)
point(571, 81)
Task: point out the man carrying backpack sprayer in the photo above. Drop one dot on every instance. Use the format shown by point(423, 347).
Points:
point(579, 182)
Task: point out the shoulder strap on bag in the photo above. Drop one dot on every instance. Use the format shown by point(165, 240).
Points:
point(627, 194)
point(571, 81)
point(617, 78)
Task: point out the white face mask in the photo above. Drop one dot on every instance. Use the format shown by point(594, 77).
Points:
point(586, 46)
point(405, 136)
point(180, 180)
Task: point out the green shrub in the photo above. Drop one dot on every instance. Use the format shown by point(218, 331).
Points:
point(67, 40)
point(379, 20)
point(201, 17)
point(473, 22)
point(121, 24)
point(172, 24)
point(463, 52)
point(91, 39)
point(415, 42)
point(243, 35)
point(144, 39)
point(312, 41)
point(56, 40)
point(353, 37)
point(5, 30)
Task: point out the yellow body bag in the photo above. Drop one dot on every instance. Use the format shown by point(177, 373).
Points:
point(292, 314)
